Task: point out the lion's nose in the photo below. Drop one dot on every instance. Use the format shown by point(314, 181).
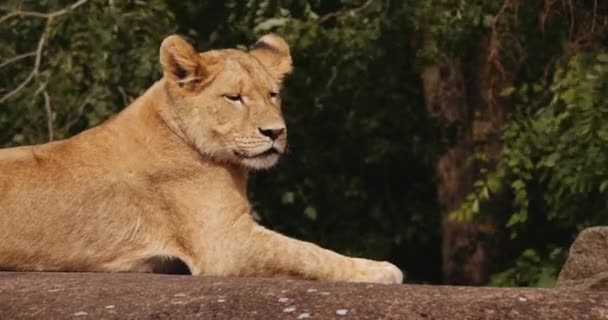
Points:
point(272, 133)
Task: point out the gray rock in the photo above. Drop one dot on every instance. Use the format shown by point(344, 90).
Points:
point(153, 296)
point(587, 264)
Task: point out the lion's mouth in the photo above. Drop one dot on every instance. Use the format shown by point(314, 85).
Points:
point(271, 151)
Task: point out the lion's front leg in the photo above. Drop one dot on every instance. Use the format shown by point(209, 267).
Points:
point(275, 253)
point(263, 252)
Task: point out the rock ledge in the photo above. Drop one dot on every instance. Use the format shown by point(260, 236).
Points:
point(151, 296)
point(587, 264)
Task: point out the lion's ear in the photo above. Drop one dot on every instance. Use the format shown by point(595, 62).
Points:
point(273, 52)
point(181, 63)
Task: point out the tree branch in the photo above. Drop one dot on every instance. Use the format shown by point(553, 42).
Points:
point(35, 70)
point(80, 109)
point(17, 58)
point(44, 15)
point(49, 113)
point(41, 42)
point(125, 97)
point(344, 11)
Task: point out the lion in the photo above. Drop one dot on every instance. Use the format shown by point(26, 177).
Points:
point(166, 178)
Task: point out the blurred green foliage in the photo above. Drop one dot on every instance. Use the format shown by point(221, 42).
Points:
point(552, 164)
point(360, 173)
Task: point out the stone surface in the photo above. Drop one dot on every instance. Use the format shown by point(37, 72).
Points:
point(151, 296)
point(587, 264)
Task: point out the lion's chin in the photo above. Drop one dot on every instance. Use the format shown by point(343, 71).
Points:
point(261, 162)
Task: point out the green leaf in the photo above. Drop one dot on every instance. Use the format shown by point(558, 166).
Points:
point(311, 213)
point(551, 160)
point(602, 57)
point(569, 95)
point(487, 20)
point(518, 184)
point(288, 198)
point(18, 139)
point(270, 24)
point(603, 134)
point(475, 206)
point(507, 91)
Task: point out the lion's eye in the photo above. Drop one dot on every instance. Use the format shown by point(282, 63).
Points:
point(274, 94)
point(234, 97)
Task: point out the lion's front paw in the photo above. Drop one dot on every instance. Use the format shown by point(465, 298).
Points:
point(378, 272)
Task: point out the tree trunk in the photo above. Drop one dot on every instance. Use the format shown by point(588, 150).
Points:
point(471, 120)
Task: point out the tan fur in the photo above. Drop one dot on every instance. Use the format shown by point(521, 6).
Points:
point(166, 177)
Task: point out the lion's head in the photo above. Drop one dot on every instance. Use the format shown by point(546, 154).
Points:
point(227, 102)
